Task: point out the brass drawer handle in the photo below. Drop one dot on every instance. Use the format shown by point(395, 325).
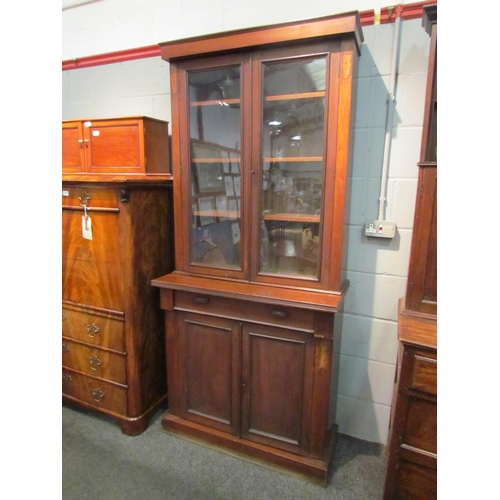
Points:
point(95, 362)
point(65, 348)
point(201, 299)
point(98, 395)
point(92, 330)
point(279, 313)
point(66, 378)
point(64, 316)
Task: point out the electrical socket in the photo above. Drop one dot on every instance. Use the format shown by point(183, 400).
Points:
point(380, 229)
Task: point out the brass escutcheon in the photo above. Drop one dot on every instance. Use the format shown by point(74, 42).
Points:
point(84, 198)
point(95, 362)
point(92, 330)
point(98, 395)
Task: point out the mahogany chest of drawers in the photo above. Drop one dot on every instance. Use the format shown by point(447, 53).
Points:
point(113, 352)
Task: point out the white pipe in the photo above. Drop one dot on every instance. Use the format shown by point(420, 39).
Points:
point(391, 103)
point(69, 4)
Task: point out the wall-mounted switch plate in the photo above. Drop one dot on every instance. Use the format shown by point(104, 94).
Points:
point(380, 229)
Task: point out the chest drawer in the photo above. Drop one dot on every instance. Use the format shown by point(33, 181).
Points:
point(420, 429)
point(424, 374)
point(94, 361)
point(93, 328)
point(97, 393)
point(266, 314)
point(92, 197)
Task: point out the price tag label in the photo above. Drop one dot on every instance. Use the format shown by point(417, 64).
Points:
point(87, 227)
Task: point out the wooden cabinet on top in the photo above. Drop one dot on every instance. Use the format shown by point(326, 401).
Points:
point(116, 236)
point(130, 146)
point(260, 157)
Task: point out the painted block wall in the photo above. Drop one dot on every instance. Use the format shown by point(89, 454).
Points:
point(111, 25)
point(377, 268)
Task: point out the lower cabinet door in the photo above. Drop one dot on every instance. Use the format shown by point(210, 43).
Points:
point(253, 381)
point(210, 375)
point(277, 383)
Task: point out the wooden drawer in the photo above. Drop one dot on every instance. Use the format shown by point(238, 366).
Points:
point(420, 429)
point(94, 361)
point(266, 314)
point(93, 328)
point(416, 482)
point(94, 197)
point(97, 393)
point(424, 374)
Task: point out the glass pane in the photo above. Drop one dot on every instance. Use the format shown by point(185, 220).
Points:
point(215, 136)
point(293, 132)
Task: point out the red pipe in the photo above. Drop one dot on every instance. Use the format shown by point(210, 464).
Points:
point(367, 17)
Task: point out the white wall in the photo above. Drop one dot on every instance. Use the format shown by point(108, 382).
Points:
point(110, 25)
point(377, 268)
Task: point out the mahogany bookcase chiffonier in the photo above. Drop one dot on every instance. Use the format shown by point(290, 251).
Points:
point(412, 446)
point(260, 152)
point(116, 236)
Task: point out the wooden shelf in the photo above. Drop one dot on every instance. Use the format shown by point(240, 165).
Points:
point(293, 217)
point(220, 102)
point(230, 214)
point(302, 95)
point(294, 158)
point(213, 160)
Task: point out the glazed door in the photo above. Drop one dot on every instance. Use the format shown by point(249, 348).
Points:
point(293, 185)
point(214, 157)
point(277, 375)
point(209, 360)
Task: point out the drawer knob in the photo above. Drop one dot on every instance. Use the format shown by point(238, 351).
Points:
point(66, 378)
point(65, 348)
point(92, 330)
point(95, 362)
point(201, 299)
point(98, 395)
point(279, 313)
point(64, 316)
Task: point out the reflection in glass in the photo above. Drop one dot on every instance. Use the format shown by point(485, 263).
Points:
point(215, 135)
point(293, 131)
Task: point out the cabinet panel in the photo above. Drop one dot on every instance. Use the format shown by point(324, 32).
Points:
point(114, 146)
point(277, 386)
point(210, 367)
point(73, 152)
point(91, 269)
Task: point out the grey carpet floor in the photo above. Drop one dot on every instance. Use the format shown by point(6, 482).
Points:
point(99, 462)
